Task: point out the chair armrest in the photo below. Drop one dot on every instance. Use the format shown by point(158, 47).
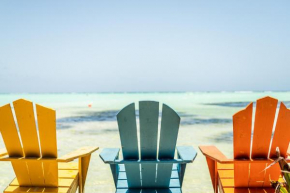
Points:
point(186, 153)
point(215, 154)
point(82, 152)
point(109, 155)
point(3, 152)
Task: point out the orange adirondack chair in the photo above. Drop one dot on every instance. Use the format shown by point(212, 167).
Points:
point(34, 158)
point(245, 173)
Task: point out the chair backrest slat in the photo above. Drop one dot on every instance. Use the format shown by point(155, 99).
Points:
point(168, 137)
point(46, 120)
point(9, 132)
point(12, 143)
point(128, 134)
point(168, 134)
point(242, 123)
point(281, 136)
point(47, 131)
point(263, 126)
point(148, 117)
point(27, 127)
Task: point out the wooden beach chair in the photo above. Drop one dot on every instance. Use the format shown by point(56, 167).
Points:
point(33, 152)
point(252, 154)
point(150, 166)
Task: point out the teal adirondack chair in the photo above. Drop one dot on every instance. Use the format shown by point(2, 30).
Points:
point(151, 168)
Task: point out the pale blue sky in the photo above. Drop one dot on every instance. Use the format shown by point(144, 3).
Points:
point(164, 45)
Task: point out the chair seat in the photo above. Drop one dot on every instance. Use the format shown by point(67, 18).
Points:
point(226, 181)
point(123, 184)
point(67, 181)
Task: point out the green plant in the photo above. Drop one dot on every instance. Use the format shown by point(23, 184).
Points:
point(281, 187)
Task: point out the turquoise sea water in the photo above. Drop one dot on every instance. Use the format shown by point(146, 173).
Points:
point(205, 119)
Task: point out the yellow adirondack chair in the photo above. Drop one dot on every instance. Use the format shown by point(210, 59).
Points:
point(33, 154)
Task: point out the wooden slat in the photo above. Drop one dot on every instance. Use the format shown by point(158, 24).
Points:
point(280, 139)
point(242, 128)
point(249, 190)
point(186, 153)
point(281, 136)
point(264, 120)
point(226, 173)
point(81, 152)
point(47, 131)
point(35, 170)
point(21, 172)
point(227, 182)
point(242, 124)
point(263, 126)
point(68, 166)
point(19, 189)
point(169, 190)
point(50, 172)
point(83, 170)
point(67, 184)
point(168, 136)
point(168, 133)
point(128, 133)
point(214, 153)
point(109, 155)
point(212, 168)
point(148, 116)
point(67, 173)
point(74, 186)
point(122, 184)
point(241, 174)
point(27, 128)
point(62, 181)
point(228, 166)
point(273, 173)
point(257, 175)
point(12, 143)
point(47, 137)
point(128, 191)
point(9, 132)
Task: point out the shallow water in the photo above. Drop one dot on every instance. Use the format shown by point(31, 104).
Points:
point(205, 119)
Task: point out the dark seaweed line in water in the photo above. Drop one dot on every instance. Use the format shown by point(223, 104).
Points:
point(241, 104)
point(186, 119)
point(67, 122)
point(196, 121)
point(224, 137)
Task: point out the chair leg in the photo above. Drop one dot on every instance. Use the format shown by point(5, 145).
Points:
point(181, 172)
point(212, 167)
point(115, 173)
point(83, 170)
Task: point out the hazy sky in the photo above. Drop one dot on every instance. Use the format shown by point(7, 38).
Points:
point(152, 45)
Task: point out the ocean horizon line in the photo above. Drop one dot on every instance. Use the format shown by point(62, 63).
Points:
point(148, 92)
